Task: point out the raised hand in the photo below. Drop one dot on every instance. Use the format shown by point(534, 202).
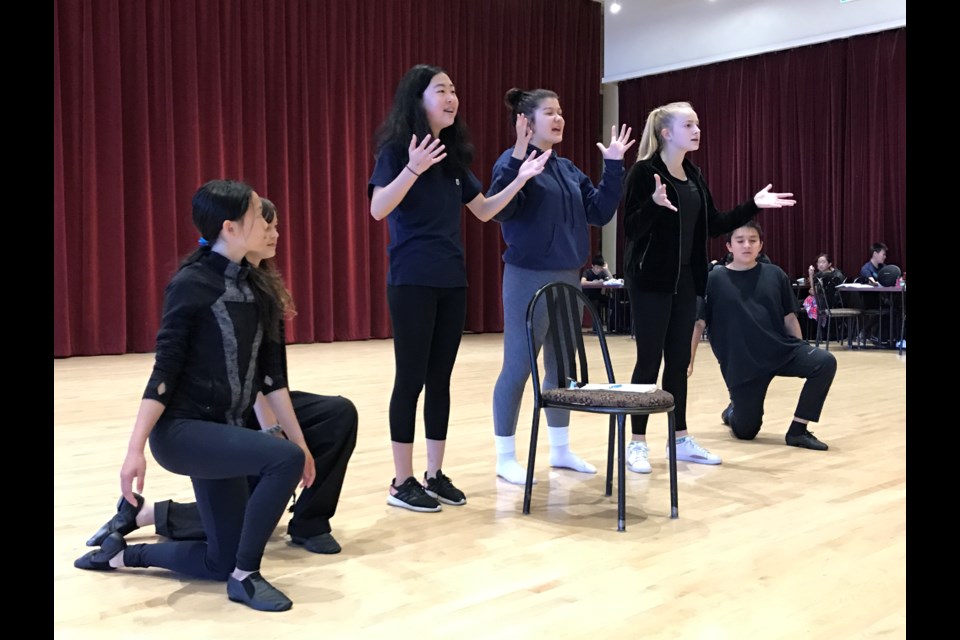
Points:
point(618, 143)
point(767, 200)
point(524, 132)
point(424, 155)
point(533, 165)
point(660, 194)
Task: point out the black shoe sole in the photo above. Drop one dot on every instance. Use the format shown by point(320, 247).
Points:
point(329, 548)
point(439, 498)
point(804, 445)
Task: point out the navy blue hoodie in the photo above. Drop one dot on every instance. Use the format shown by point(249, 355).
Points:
point(546, 225)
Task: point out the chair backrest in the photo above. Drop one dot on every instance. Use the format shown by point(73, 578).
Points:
point(823, 299)
point(564, 305)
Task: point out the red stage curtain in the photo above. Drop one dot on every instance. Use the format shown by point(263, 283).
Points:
point(151, 99)
point(826, 121)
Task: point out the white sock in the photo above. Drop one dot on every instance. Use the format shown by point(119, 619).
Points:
point(117, 561)
point(507, 466)
point(560, 454)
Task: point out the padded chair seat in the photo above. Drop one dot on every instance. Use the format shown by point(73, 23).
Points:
point(602, 398)
point(844, 313)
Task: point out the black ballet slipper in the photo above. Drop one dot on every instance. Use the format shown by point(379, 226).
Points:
point(123, 523)
point(257, 593)
point(99, 560)
point(324, 543)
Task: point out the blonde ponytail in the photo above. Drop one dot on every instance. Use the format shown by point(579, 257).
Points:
point(659, 119)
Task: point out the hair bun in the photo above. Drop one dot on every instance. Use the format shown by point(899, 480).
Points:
point(513, 98)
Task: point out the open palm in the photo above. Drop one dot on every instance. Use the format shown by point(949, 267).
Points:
point(619, 143)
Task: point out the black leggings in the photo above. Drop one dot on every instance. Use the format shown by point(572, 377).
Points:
point(218, 458)
point(816, 365)
point(329, 425)
point(663, 327)
point(427, 327)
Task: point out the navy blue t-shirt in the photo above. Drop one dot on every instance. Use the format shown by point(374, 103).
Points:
point(425, 244)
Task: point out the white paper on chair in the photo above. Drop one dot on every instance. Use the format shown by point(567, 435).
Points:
point(635, 388)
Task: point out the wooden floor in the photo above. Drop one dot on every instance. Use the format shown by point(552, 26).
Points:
point(777, 542)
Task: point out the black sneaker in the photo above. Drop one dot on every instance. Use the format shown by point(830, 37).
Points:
point(411, 495)
point(443, 490)
point(806, 440)
point(726, 413)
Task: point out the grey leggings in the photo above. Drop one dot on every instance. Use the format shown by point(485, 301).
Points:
point(519, 285)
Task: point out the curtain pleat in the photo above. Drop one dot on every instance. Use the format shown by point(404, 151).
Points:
point(826, 121)
point(152, 99)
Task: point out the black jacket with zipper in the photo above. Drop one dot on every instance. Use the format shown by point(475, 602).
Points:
point(652, 233)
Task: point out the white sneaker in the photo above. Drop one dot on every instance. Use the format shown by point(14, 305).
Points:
point(637, 452)
point(689, 451)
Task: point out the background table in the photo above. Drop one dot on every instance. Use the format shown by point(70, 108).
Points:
point(848, 289)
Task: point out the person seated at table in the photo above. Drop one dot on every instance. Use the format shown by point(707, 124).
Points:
point(750, 311)
point(591, 281)
point(829, 275)
point(870, 271)
point(870, 274)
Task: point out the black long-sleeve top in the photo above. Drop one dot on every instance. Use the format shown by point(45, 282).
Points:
point(212, 353)
point(654, 234)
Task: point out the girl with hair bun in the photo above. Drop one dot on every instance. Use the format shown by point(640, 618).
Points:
point(546, 229)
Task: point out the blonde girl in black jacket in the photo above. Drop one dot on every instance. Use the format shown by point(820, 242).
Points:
point(669, 213)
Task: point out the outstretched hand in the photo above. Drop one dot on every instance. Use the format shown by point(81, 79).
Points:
point(533, 165)
point(618, 143)
point(424, 155)
point(660, 194)
point(767, 200)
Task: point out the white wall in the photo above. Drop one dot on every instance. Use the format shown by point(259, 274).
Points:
point(654, 36)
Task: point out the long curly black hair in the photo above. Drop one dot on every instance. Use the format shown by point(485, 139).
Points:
point(407, 118)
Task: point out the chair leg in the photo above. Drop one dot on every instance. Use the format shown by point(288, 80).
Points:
point(531, 459)
point(829, 319)
point(903, 327)
point(613, 419)
point(621, 473)
point(672, 440)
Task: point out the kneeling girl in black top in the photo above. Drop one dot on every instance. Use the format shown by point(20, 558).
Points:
point(219, 344)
